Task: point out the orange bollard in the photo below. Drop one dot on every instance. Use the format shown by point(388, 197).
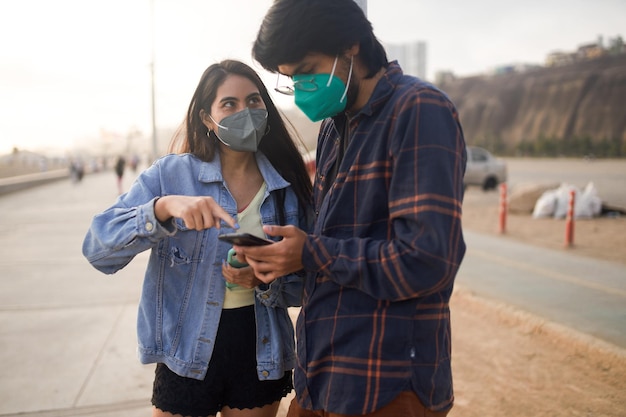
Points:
point(503, 208)
point(569, 220)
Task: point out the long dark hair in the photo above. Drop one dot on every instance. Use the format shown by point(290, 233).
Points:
point(292, 29)
point(278, 144)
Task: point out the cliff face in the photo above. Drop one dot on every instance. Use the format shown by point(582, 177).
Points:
point(584, 100)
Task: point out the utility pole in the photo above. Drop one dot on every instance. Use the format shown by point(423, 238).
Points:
point(363, 5)
point(154, 132)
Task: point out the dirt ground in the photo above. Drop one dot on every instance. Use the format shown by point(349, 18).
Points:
point(508, 363)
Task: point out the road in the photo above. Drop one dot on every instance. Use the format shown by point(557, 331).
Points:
point(583, 294)
point(67, 332)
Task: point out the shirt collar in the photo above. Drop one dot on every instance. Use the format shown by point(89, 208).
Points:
point(383, 90)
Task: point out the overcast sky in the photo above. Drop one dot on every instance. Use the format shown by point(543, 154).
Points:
point(70, 69)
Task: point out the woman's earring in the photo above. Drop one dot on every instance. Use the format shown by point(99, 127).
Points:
point(215, 139)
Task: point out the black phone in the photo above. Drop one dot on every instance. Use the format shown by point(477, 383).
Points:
point(244, 239)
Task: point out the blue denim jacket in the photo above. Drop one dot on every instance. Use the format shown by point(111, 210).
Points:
point(183, 290)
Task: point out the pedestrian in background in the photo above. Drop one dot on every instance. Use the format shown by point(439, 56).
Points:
point(218, 348)
point(77, 170)
point(374, 329)
point(120, 165)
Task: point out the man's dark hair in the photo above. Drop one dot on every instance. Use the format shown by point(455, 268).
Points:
point(294, 28)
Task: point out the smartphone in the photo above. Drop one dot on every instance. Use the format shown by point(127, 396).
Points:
point(244, 239)
point(233, 261)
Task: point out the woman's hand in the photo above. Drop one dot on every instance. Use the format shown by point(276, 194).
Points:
point(198, 213)
point(243, 276)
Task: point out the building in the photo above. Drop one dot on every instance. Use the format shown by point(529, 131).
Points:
point(590, 51)
point(558, 59)
point(411, 56)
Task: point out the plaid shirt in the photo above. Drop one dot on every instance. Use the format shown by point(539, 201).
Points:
point(384, 253)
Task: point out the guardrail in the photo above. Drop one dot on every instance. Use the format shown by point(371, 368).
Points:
point(21, 182)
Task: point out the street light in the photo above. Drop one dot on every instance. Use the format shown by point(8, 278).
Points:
point(154, 132)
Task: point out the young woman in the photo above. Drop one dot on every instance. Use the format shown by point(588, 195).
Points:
point(222, 340)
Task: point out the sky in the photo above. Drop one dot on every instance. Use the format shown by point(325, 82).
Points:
point(76, 73)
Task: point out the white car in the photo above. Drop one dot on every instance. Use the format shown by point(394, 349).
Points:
point(483, 169)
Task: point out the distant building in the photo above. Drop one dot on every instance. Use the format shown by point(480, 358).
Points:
point(504, 69)
point(590, 51)
point(411, 56)
point(514, 68)
point(443, 77)
point(558, 59)
point(586, 52)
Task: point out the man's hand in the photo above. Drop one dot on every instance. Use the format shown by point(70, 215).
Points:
point(281, 258)
point(198, 213)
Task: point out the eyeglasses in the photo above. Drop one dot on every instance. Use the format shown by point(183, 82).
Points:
point(306, 85)
point(290, 90)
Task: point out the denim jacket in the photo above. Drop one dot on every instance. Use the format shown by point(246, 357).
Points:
point(183, 289)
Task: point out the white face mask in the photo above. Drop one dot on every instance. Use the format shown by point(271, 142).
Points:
point(243, 130)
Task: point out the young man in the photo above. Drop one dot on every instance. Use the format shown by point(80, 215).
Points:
point(373, 336)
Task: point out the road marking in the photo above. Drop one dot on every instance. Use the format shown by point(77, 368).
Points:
point(548, 273)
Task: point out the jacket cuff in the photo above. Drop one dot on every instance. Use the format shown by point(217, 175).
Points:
point(149, 226)
point(268, 293)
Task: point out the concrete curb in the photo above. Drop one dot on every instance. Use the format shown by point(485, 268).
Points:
point(22, 182)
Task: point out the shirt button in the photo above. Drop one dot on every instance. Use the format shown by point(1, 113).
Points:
point(149, 226)
point(265, 296)
point(265, 374)
point(265, 340)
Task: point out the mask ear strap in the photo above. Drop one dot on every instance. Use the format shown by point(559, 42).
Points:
point(349, 78)
point(218, 125)
point(332, 72)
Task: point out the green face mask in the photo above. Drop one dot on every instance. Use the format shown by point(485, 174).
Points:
point(321, 95)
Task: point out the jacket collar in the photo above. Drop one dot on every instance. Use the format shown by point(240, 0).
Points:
point(212, 172)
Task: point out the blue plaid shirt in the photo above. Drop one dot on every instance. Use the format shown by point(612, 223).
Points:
point(386, 247)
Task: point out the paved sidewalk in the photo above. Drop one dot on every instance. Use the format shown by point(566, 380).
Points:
point(67, 338)
point(67, 331)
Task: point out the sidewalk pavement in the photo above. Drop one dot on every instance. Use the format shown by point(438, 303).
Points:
point(67, 331)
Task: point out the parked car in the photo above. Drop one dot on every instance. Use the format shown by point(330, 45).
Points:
point(483, 169)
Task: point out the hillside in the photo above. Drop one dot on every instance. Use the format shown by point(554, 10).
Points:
point(576, 109)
